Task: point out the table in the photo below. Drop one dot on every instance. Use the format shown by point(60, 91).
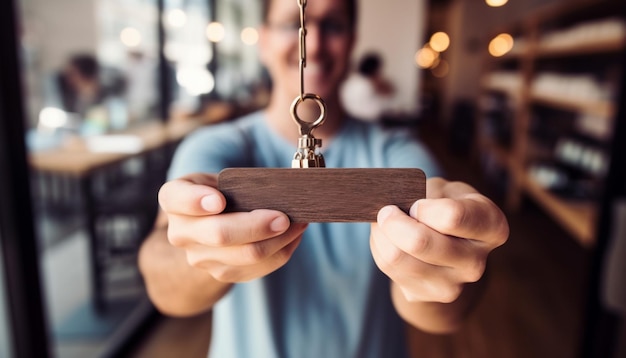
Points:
point(81, 164)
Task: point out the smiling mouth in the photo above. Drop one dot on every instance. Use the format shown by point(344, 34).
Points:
point(313, 68)
point(314, 72)
point(316, 77)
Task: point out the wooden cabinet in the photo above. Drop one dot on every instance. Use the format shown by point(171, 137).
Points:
point(548, 107)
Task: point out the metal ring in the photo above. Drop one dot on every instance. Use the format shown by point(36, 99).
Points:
point(307, 127)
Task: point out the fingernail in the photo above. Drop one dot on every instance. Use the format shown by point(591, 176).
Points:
point(210, 203)
point(384, 213)
point(279, 224)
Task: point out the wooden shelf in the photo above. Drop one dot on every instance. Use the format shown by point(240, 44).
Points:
point(601, 46)
point(511, 91)
point(598, 108)
point(577, 217)
point(516, 75)
point(514, 54)
point(609, 45)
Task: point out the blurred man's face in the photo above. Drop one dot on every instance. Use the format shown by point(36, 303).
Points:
point(329, 43)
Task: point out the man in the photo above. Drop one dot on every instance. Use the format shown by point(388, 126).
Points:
point(280, 289)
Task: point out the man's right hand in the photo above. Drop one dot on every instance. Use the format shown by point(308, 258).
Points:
point(231, 247)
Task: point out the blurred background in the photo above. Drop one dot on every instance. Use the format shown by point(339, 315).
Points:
point(522, 99)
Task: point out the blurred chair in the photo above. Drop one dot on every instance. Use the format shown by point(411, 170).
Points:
point(125, 207)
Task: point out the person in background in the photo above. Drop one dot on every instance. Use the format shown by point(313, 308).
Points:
point(282, 289)
point(79, 84)
point(367, 94)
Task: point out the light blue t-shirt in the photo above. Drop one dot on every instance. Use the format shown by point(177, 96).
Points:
point(330, 300)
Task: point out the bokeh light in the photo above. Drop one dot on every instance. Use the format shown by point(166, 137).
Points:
point(501, 45)
point(249, 36)
point(130, 37)
point(496, 3)
point(215, 32)
point(196, 80)
point(189, 53)
point(176, 18)
point(426, 57)
point(51, 117)
point(439, 41)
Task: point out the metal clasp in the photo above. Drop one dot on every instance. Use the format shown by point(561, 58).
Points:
point(308, 154)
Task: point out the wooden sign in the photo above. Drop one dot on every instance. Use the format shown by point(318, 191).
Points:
point(321, 194)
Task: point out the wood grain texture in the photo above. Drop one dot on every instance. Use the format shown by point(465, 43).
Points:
point(321, 194)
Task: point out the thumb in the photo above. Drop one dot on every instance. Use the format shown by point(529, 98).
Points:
point(193, 195)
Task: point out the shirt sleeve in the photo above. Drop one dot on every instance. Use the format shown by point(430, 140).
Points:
point(209, 150)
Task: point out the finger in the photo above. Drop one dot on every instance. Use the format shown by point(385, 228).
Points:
point(232, 274)
point(472, 217)
point(227, 229)
point(419, 281)
point(246, 254)
point(441, 188)
point(427, 245)
point(191, 197)
point(492, 217)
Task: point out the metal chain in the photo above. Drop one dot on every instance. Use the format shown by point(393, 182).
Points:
point(302, 36)
point(308, 154)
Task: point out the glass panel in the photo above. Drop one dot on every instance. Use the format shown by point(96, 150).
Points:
point(97, 151)
point(97, 154)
